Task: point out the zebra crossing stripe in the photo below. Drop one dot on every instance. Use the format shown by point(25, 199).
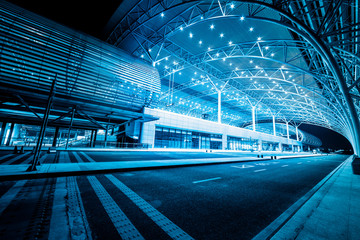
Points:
point(122, 224)
point(16, 158)
point(163, 222)
point(78, 158)
point(87, 157)
point(6, 199)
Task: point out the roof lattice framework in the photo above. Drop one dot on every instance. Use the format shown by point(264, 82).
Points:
point(296, 60)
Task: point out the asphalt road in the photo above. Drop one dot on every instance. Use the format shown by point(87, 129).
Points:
point(226, 201)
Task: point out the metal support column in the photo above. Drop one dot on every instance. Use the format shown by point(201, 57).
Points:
point(91, 138)
point(106, 133)
point(71, 123)
point(287, 130)
point(253, 118)
point(55, 137)
point(43, 127)
point(274, 126)
point(94, 140)
point(2, 133)
point(10, 134)
point(297, 133)
point(219, 106)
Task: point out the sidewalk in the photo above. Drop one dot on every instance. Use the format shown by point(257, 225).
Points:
point(331, 212)
point(16, 172)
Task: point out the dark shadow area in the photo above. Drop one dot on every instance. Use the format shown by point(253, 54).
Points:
point(356, 166)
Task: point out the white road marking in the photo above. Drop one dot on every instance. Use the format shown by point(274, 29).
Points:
point(284, 165)
point(163, 222)
point(121, 222)
point(87, 157)
point(206, 180)
point(260, 170)
point(6, 199)
point(78, 158)
point(299, 162)
point(308, 161)
point(243, 166)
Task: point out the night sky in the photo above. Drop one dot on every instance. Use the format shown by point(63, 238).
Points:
point(86, 16)
point(91, 17)
point(329, 138)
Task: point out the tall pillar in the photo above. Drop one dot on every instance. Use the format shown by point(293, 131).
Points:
point(287, 130)
point(2, 133)
point(219, 106)
point(297, 133)
point(94, 140)
point(253, 118)
point(10, 134)
point(69, 132)
point(91, 138)
point(105, 137)
point(260, 145)
point(274, 126)
point(55, 137)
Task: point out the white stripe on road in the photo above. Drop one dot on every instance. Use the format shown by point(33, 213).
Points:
point(260, 170)
point(87, 157)
point(6, 156)
point(121, 222)
point(10, 161)
point(163, 222)
point(299, 162)
point(6, 199)
point(243, 166)
point(206, 180)
point(284, 165)
point(78, 158)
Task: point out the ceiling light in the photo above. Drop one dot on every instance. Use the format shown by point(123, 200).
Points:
point(230, 43)
point(251, 29)
point(181, 28)
point(232, 6)
point(259, 38)
point(200, 42)
point(242, 18)
point(267, 48)
point(191, 35)
point(162, 14)
point(212, 26)
point(273, 54)
point(221, 35)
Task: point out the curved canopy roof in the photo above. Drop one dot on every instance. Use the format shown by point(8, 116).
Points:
point(295, 60)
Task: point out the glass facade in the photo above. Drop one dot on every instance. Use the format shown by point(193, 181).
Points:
point(176, 138)
point(243, 144)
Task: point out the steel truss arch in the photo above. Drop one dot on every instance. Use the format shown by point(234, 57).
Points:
point(287, 19)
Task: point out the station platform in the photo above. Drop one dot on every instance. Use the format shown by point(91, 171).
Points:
point(328, 211)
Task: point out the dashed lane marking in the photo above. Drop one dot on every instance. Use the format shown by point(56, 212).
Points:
point(206, 180)
point(121, 222)
point(163, 222)
point(260, 170)
point(87, 157)
point(243, 166)
point(299, 163)
point(284, 165)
